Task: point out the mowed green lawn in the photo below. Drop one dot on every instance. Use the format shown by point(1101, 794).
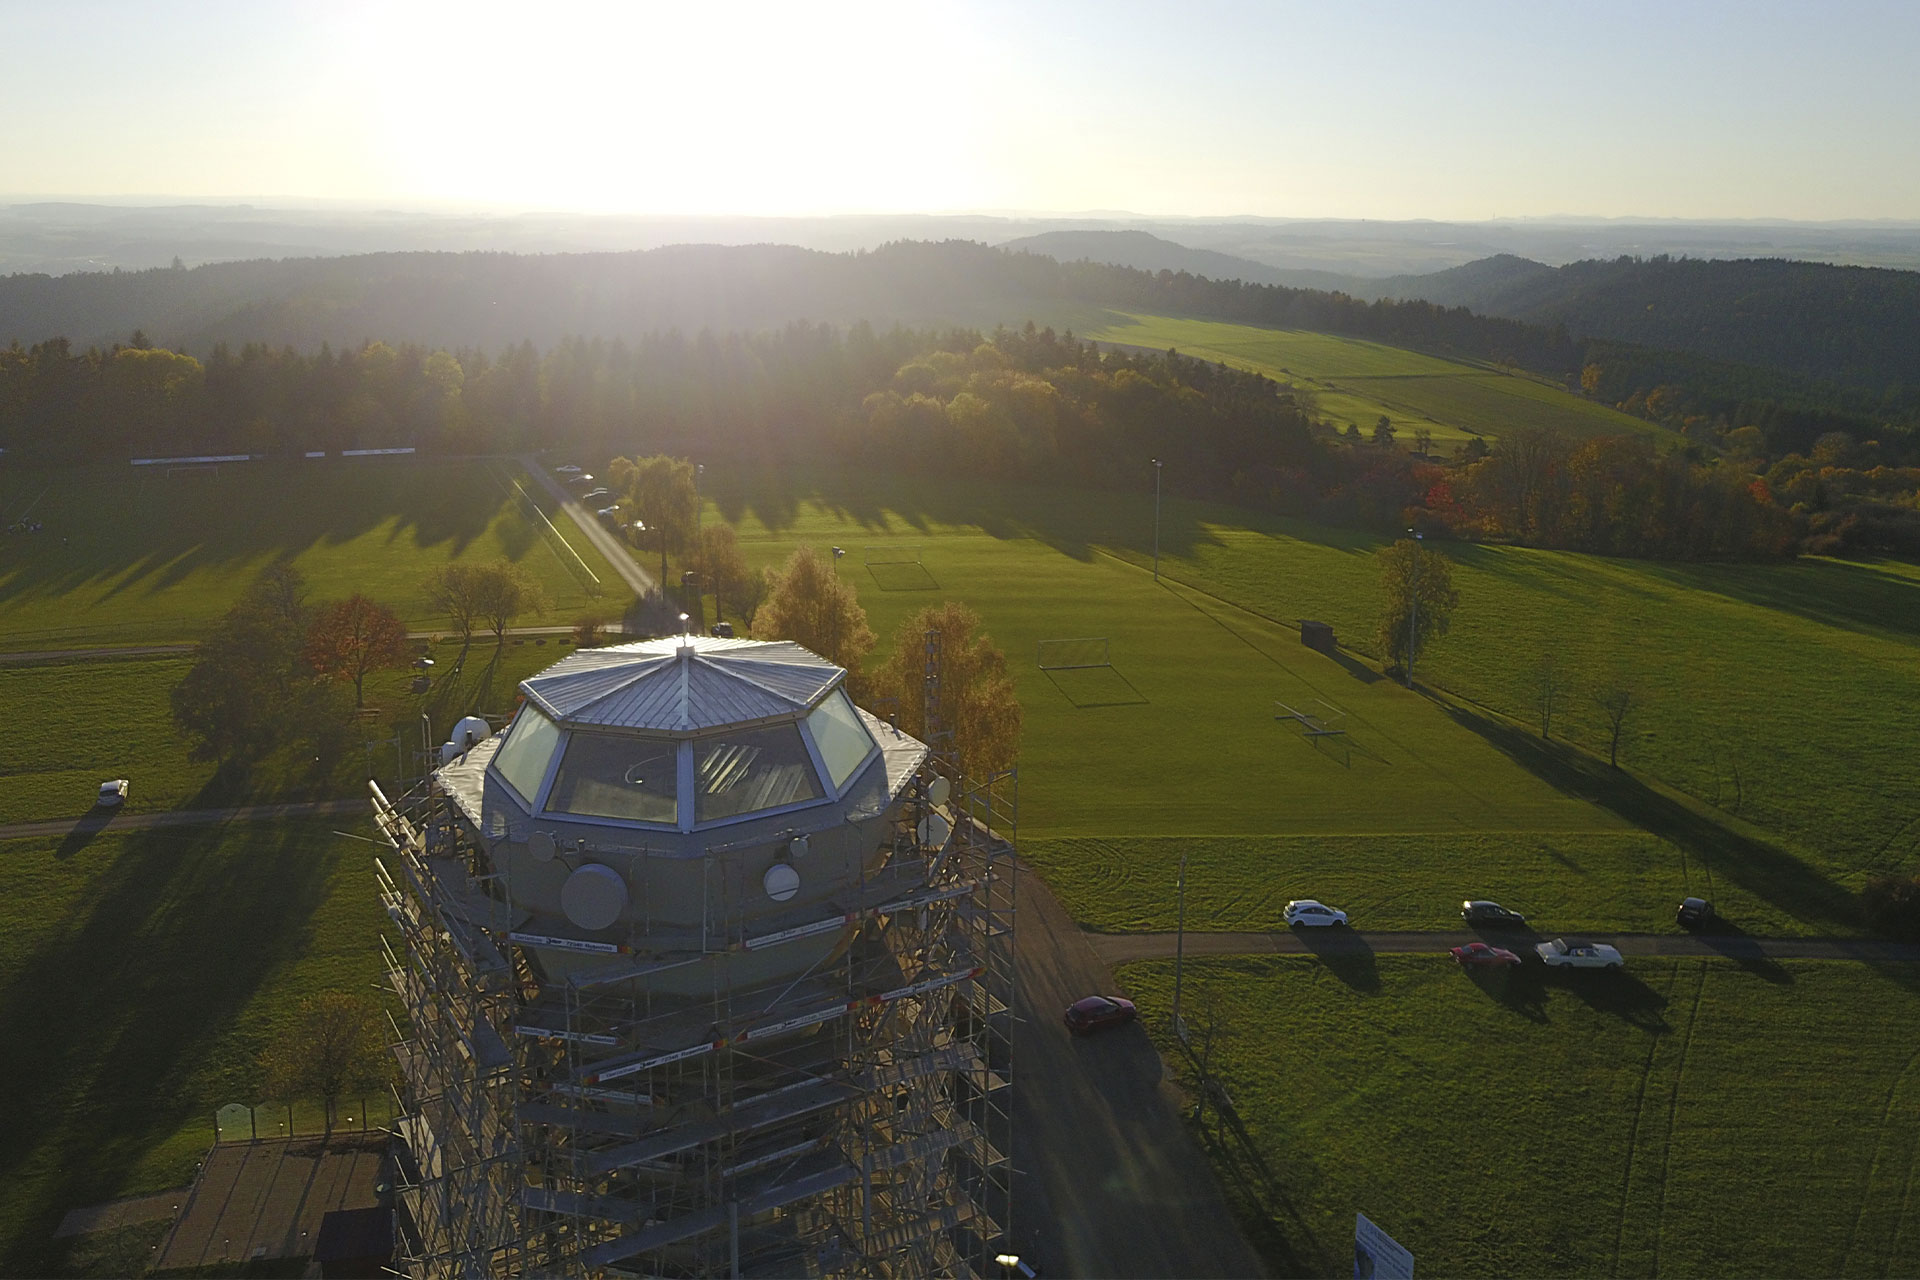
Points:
point(1684, 1117)
point(134, 555)
point(1355, 381)
point(1763, 757)
point(76, 724)
point(142, 975)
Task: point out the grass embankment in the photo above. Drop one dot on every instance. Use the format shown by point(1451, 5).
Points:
point(1759, 760)
point(143, 973)
point(1685, 1117)
point(1354, 381)
point(138, 556)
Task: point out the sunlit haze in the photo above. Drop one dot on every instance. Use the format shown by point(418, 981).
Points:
point(1463, 111)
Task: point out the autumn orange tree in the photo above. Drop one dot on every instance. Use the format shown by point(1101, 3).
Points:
point(976, 699)
point(352, 637)
point(808, 604)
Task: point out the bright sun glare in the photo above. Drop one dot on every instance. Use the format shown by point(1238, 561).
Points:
point(688, 108)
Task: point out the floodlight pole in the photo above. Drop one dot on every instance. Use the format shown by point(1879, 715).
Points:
point(1156, 519)
point(1413, 606)
point(837, 553)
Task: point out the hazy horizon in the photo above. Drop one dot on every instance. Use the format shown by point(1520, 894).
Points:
point(1485, 111)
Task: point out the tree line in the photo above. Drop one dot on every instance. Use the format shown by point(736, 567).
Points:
point(1030, 405)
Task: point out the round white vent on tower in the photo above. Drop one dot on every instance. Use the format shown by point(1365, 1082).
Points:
point(540, 845)
point(594, 896)
point(781, 882)
point(797, 846)
point(939, 791)
point(933, 830)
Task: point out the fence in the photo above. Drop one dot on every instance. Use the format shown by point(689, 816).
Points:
point(238, 1122)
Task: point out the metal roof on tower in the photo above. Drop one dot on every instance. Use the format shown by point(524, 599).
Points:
point(683, 684)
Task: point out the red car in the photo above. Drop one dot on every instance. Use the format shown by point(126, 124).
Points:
point(1480, 955)
point(1095, 1013)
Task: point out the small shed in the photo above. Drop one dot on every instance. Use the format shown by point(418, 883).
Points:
point(1317, 635)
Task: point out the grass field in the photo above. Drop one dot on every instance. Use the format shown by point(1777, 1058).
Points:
point(1685, 1117)
point(142, 974)
point(1354, 381)
point(136, 555)
point(1760, 763)
point(76, 724)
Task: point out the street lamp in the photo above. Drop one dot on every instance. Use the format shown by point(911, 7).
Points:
point(1413, 605)
point(1156, 519)
point(837, 553)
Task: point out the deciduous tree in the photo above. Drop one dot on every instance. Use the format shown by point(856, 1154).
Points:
point(721, 566)
point(1418, 585)
point(976, 697)
point(808, 604)
point(660, 490)
point(1616, 702)
point(455, 590)
point(332, 1046)
point(352, 637)
point(503, 592)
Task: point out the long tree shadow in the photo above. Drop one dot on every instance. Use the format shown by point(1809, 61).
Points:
point(113, 1019)
point(1763, 869)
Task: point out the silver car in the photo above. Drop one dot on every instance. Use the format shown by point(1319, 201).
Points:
point(1575, 954)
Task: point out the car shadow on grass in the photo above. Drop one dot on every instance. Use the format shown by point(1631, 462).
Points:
point(1346, 955)
point(1521, 988)
point(1612, 991)
point(1762, 869)
point(1736, 944)
point(91, 825)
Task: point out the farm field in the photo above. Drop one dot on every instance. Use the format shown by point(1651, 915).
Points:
point(74, 724)
point(1355, 381)
point(1684, 1117)
point(143, 974)
point(135, 555)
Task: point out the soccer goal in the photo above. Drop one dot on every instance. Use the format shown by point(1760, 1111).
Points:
point(892, 555)
point(1074, 655)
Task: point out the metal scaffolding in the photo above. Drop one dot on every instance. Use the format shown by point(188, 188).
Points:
point(851, 1119)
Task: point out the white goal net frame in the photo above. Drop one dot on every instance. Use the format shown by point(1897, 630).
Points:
point(1076, 654)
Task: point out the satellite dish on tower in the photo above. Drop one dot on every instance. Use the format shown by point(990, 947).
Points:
point(933, 831)
point(540, 845)
point(471, 732)
point(797, 847)
point(939, 791)
point(781, 882)
point(594, 896)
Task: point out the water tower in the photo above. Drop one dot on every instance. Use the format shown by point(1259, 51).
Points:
point(707, 971)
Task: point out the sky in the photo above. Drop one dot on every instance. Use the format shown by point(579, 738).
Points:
point(1470, 109)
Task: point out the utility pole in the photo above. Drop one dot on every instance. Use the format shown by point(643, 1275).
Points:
point(1156, 519)
point(1413, 606)
point(1180, 947)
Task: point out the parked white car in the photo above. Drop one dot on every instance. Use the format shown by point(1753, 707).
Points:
point(112, 793)
point(1307, 912)
point(1574, 954)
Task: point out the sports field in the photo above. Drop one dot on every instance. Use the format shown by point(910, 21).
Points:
point(132, 555)
point(1354, 381)
point(1685, 1117)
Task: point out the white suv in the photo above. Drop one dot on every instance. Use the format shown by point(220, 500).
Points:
point(1306, 911)
point(112, 793)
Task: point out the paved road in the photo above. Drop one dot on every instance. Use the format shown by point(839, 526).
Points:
point(1109, 1181)
point(1115, 948)
point(611, 547)
point(99, 820)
